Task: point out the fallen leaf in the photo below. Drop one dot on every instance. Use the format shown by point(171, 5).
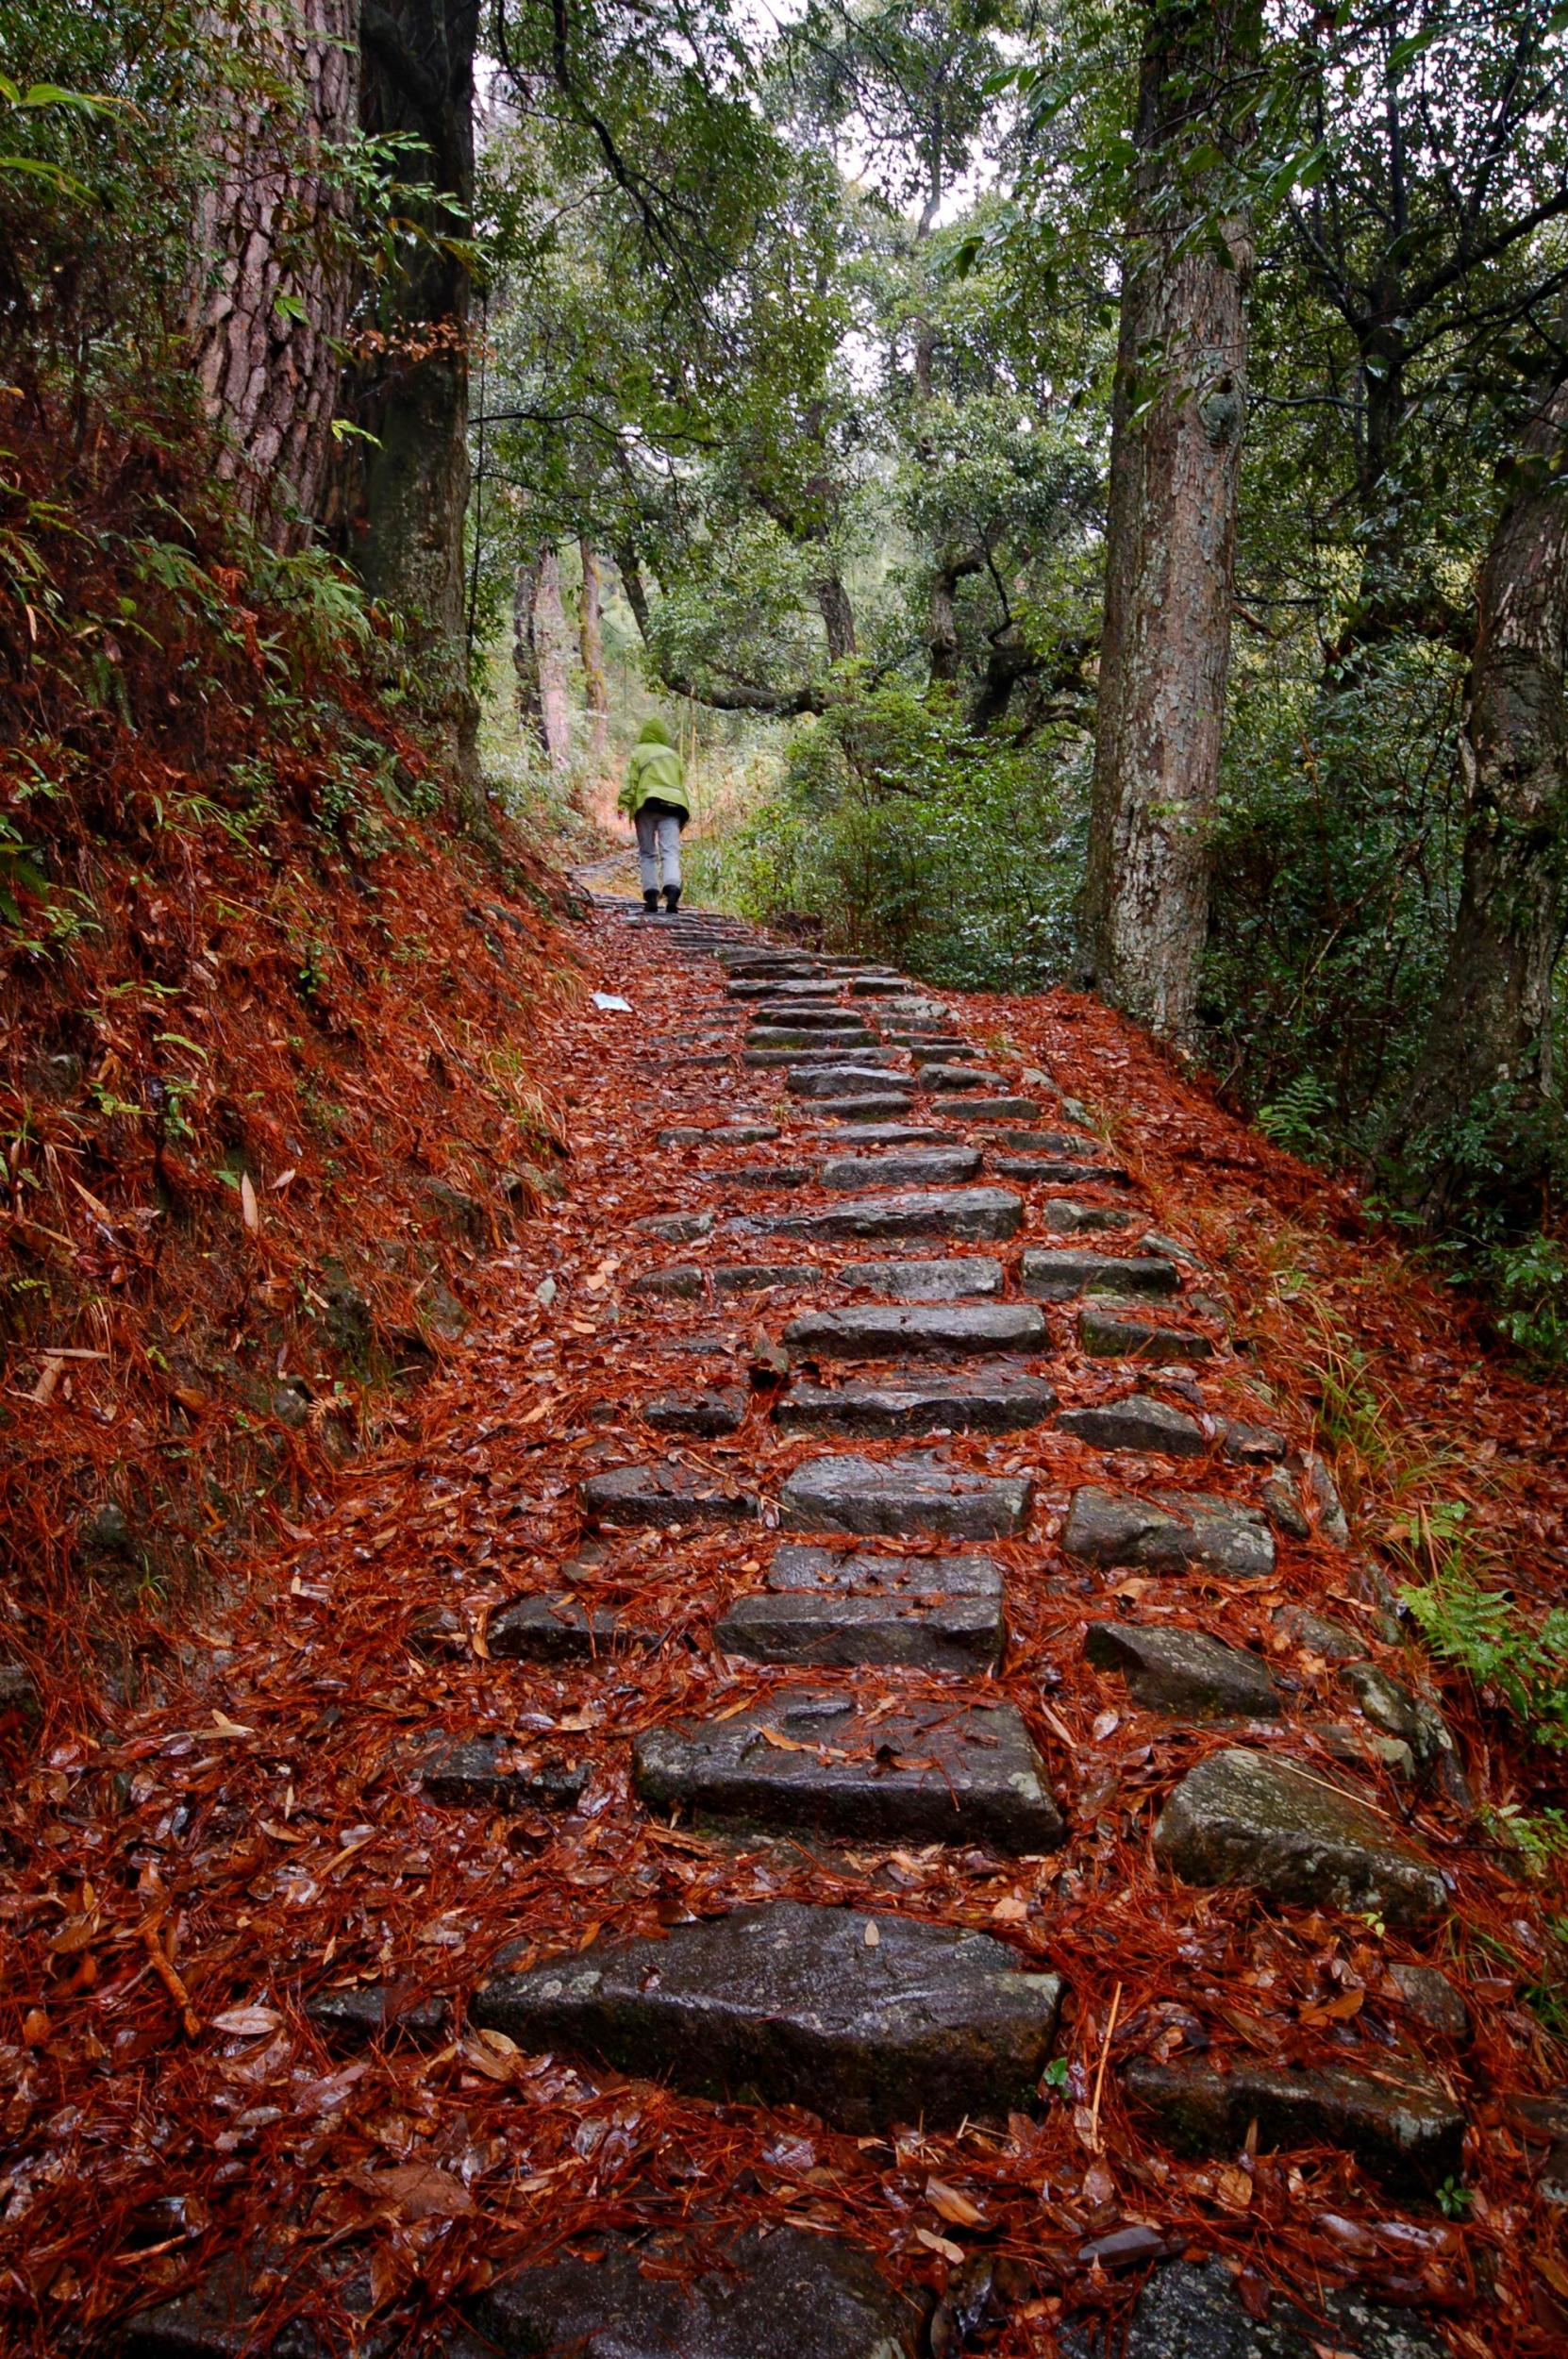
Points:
point(223, 1726)
point(953, 2205)
point(873, 1937)
point(1233, 2187)
point(35, 2027)
point(250, 1211)
point(1106, 1724)
point(1011, 1910)
point(247, 2022)
point(944, 2245)
point(420, 2191)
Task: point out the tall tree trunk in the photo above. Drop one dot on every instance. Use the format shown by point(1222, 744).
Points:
point(591, 641)
point(838, 616)
point(525, 656)
point(553, 643)
point(405, 504)
point(270, 301)
point(1485, 1080)
point(1177, 422)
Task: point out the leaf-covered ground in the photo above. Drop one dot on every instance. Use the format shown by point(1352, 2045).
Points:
point(180, 1881)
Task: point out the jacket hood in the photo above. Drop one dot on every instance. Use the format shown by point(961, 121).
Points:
point(654, 733)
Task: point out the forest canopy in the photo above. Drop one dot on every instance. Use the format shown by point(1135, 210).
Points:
point(1095, 470)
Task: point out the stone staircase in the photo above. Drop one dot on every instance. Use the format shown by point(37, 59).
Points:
point(947, 1338)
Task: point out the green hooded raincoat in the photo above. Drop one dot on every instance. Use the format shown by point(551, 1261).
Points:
point(655, 773)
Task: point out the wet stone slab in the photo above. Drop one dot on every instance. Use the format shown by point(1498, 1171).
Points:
point(808, 1761)
point(1189, 2310)
point(752, 1278)
point(885, 1331)
point(675, 1227)
point(372, 2011)
point(881, 1573)
point(946, 1079)
point(804, 988)
point(1116, 1335)
point(929, 1632)
point(1066, 1216)
point(1055, 1275)
point(663, 1495)
point(504, 1773)
point(1403, 2125)
point(937, 1168)
point(1242, 1818)
point(993, 1108)
point(812, 1016)
point(834, 1080)
point(1168, 1530)
point(818, 1059)
point(926, 1282)
point(980, 1214)
point(714, 1409)
point(857, 1134)
point(904, 1496)
point(782, 2295)
point(791, 2004)
point(1138, 1422)
point(1184, 1671)
point(680, 1282)
point(558, 1630)
point(762, 1176)
point(876, 1106)
point(909, 1400)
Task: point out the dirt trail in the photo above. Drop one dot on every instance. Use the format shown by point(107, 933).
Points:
point(849, 1790)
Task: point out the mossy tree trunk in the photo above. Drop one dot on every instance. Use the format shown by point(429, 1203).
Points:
point(1177, 414)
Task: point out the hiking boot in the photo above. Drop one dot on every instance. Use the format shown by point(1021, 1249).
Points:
point(672, 898)
point(650, 903)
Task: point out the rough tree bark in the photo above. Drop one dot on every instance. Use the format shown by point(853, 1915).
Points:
point(271, 299)
point(1176, 421)
point(552, 644)
point(405, 492)
point(525, 656)
point(591, 641)
point(1486, 1066)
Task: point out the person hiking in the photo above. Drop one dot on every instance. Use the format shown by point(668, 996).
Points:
point(655, 800)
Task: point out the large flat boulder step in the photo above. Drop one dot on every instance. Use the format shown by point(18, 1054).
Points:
point(1185, 1671)
point(503, 1773)
point(876, 1106)
point(900, 1496)
point(1244, 1817)
point(908, 1167)
point(1052, 1274)
point(540, 1628)
point(769, 2292)
point(914, 1401)
point(1137, 1422)
point(945, 1078)
point(810, 1761)
point(977, 1213)
point(824, 1060)
point(665, 1495)
point(991, 1109)
point(1168, 1531)
point(951, 1280)
point(1061, 1171)
point(1401, 2123)
point(878, 1572)
point(963, 1634)
point(885, 1331)
point(791, 2004)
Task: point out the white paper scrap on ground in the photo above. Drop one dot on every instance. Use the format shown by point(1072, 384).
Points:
point(609, 999)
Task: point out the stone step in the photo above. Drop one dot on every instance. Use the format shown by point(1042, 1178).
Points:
point(769, 2292)
point(1138, 1422)
point(799, 1046)
point(866, 986)
point(1402, 2124)
point(362, 2012)
point(835, 1080)
point(762, 1176)
point(864, 1052)
point(558, 1630)
point(791, 2004)
point(1168, 1531)
point(813, 1016)
point(938, 1166)
point(876, 1106)
point(663, 1495)
point(1194, 2309)
point(907, 1401)
point(809, 1760)
point(675, 1227)
point(682, 1282)
point(717, 1134)
point(992, 1108)
point(926, 1282)
point(710, 1410)
point(1077, 1143)
point(1184, 1671)
point(1117, 1335)
point(1245, 1817)
point(1062, 1171)
point(855, 1135)
point(503, 1773)
point(751, 1278)
point(929, 1632)
point(890, 1330)
point(875, 1572)
point(775, 988)
point(1066, 1216)
point(940, 1078)
point(903, 1496)
point(1055, 1275)
point(977, 1213)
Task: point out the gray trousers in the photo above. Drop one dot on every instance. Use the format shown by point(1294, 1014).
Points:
point(658, 846)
